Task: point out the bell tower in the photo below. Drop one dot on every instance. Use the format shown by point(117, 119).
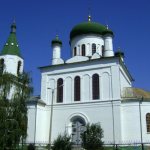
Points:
point(10, 57)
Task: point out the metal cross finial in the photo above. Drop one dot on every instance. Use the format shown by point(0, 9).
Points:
point(89, 11)
point(89, 18)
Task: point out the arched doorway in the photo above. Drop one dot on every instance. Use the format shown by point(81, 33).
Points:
point(78, 127)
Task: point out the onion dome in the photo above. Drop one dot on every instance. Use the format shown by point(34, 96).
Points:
point(11, 47)
point(89, 28)
point(119, 53)
point(56, 41)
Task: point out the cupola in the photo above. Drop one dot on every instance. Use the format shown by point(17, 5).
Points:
point(11, 46)
point(90, 38)
point(56, 47)
point(10, 56)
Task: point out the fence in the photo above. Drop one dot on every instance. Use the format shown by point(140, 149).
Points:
point(129, 146)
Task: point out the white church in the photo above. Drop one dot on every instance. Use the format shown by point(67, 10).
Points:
point(93, 86)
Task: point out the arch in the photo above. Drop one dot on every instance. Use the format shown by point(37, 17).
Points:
point(105, 79)
point(75, 51)
point(86, 87)
point(60, 90)
point(77, 93)
point(2, 65)
point(93, 48)
point(79, 114)
point(68, 89)
point(77, 127)
point(18, 67)
point(83, 49)
point(148, 122)
point(95, 86)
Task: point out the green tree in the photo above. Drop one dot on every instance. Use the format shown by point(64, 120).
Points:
point(14, 92)
point(62, 142)
point(92, 137)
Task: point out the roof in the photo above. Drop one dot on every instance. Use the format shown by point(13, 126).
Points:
point(89, 28)
point(56, 41)
point(11, 47)
point(99, 60)
point(135, 93)
point(35, 100)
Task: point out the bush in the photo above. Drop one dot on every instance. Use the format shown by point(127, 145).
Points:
point(91, 138)
point(63, 142)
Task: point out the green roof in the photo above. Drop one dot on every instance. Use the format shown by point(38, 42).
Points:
point(11, 47)
point(89, 28)
point(56, 40)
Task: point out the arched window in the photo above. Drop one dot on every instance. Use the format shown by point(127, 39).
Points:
point(95, 86)
point(1, 65)
point(148, 122)
point(77, 88)
point(59, 90)
point(102, 50)
point(83, 49)
point(19, 66)
point(93, 48)
point(75, 51)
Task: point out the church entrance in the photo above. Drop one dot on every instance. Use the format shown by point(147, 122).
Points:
point(78, 127)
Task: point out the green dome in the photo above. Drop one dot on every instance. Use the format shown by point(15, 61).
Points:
point(56, 41)
point(11, 47)
point(89, 28)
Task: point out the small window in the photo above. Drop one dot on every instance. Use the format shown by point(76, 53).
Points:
point(19, 67)
point(102, 50)
point(93, 48)
point(1, 65)
point(77, 88)
point(75, 51)
point(148, 122)
point(95, 86)
point(83, 49)
point(60, 90)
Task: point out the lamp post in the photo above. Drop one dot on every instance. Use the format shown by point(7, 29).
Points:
point(141, 133)
point(113, 122)
point(51, 118)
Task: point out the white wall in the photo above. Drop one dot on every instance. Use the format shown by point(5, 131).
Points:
point(95, 112)
point(11, 63)
point(131, 121)
point(88, 40)
point(109, 81)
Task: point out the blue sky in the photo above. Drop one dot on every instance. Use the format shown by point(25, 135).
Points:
point(38, 21)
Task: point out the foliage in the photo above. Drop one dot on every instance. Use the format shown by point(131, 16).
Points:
point(31, 147)
point(14, 91)
point(62, 142)
point(92, 137)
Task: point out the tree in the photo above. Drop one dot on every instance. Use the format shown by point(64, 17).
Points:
point(14, 91)
point(92, 137)
point(62, 142)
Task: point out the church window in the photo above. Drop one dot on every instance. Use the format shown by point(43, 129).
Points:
point(93, 48)
point(102, 50)
point(83, 49)
point(19, 66)
point(1, 65)
point(95, 86)
point(75, 51)
point(59, 90)
point(148, 122)
point(77, 88)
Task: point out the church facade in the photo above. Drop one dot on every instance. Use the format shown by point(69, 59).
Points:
point(93, 86)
